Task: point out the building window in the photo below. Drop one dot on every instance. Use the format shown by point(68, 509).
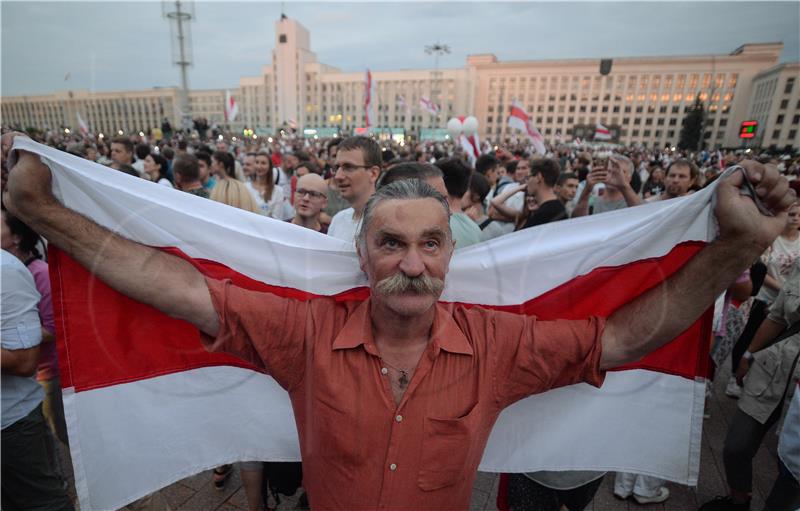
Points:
point(646, 133)
point(637, 121)
point(282, 38)
point(550, 108)
point(792, 134)
point(779, 119)
point(796, 119)
point(672, 122)
point(776, 134)
point(789, 85)
point(626, 120)
point(635, 133)
point(648, 122)
point(660, 122)
point(572, 109)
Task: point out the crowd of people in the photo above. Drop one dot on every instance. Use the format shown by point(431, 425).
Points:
point(327, 186)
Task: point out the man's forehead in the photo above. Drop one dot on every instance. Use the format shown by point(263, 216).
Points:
point(355, 156)
point(412, 217)
point(312, 182)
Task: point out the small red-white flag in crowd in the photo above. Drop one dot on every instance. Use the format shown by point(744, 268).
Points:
point(82, 126)
point(720, 160)
point(138, 385)
point(401, 103)
point(428, 105)
point(601, 132)
point(231, 108)
point(519, 119)
point(369, 100)
point(578, 141)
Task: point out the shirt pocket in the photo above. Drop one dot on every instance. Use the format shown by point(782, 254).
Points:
point(446, 446)
point(763, 370)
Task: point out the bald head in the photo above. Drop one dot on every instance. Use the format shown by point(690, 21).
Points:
point(311, 197)
point(313, 182)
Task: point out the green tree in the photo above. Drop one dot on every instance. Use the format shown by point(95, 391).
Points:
point(692, 126)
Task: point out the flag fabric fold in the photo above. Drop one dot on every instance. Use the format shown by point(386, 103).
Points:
point(519, 119)
point(147, 406)
point(601, 132)
point(231, 107)
point(428, 105)
point(369, 100)
point(82, 126)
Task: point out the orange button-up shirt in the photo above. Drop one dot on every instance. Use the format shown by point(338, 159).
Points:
point(362, 452)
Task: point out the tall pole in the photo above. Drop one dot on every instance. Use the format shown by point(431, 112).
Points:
point(181, 50)
point(437, 50)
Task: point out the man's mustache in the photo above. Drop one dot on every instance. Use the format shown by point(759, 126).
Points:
point(400, 283)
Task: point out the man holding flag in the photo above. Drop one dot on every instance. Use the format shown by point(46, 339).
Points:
point(395, 396)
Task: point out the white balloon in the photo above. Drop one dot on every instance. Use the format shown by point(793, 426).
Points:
point(454, 127)
point(470, 126)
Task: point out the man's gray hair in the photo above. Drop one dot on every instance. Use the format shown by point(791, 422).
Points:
point(405, 189)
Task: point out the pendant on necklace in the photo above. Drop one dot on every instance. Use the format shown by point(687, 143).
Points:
point(403, 381)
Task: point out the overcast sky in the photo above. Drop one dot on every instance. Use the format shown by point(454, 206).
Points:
point(126, 46)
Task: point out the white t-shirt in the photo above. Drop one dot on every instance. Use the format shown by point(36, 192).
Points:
point(779, 259)
point(165, 182)
point(344, 226)
point(277, 207)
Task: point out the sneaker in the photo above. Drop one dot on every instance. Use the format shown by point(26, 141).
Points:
point(733, 389)
point(725, 504)
point(622, 496)
point(661, 496)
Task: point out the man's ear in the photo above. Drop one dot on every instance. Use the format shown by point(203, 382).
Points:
point(375, 173)
point(362, 263)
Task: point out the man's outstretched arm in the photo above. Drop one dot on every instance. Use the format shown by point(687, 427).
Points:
point(145, 274)
point(663, 312)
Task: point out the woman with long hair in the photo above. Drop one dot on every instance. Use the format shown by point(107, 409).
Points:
point(155, 168)
point(228, 190)
point(268, 196)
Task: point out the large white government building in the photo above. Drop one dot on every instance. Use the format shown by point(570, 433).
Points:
point(641, 99)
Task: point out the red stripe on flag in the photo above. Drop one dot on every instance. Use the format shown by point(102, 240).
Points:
point(105, 338)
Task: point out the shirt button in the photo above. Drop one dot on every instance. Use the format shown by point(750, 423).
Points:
point(392, 467)
point(384, 370)
point(399, 418)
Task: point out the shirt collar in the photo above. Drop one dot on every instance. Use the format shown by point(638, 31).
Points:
point(445, 334)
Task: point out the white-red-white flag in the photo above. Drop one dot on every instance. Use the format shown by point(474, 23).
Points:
point(601, 132)
point(369, 100)
point(82, 126)
point(145, 403)
point(401, 103)
point(519, 119)
point(428, 105)
point(231, 107)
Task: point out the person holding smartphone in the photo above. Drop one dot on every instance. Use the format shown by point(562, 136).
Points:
point(614, 173)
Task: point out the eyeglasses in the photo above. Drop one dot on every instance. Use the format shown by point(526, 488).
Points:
point(349, 167)
point(301, 192)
